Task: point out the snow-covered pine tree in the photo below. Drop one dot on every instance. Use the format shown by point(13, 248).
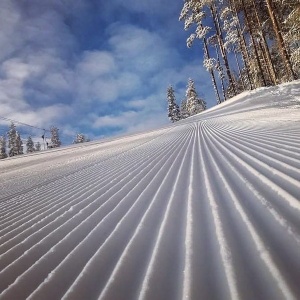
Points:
point(183, 110)
point(19, 144)
point(173, 108)
point(3, 147)
point(80, 138)
point(12, 140)
point(37, 146)
point(194, 104)
point(30, 145)
point(55, 141)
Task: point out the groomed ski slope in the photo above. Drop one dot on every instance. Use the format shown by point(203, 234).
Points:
point(206, 208)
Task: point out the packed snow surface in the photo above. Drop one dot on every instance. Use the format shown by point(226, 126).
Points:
point(206, 208)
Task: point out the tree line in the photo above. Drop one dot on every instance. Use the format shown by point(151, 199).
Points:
point(192, 104)
point(247, 43)
point(11, 144)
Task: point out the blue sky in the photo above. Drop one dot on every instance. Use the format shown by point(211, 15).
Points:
point(97, 67)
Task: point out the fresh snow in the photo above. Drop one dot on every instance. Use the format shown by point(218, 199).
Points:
point(205, 208)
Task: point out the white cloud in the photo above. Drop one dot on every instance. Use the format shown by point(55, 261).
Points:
point(101, 78)
point(151, 7)
point(138, 104)
point(96, 63)
point(140, 50)
point(120, 120)
point(130, 121)
point(45, 79)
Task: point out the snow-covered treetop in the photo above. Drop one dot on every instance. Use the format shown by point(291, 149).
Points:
point(209, 64)
point(191, 90)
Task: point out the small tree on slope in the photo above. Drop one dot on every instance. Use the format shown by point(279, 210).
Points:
point(19, 143)
point(173, 109)
point(30, 145)
point(80, 138)
point(55, 137)
point(38, 146)
point(15, 144)
point(12, 135)
point(183, 109)
point(3, 147)
point(194, 104)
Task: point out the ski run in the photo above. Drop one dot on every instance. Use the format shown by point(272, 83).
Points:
point(205, 208)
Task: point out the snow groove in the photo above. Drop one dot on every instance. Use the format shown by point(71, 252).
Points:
point(206, 208)
point(261, 249)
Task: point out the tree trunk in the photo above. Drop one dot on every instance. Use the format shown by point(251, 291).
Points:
point(267, 55)
point(261, 73)
point(212, 75)
point(242, 42)
point(221, 45)
point(220, 74)
point(262, 50)
point(240, 71)
point(282, 48)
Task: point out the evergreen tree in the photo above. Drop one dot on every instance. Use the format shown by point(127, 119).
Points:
point(195, 12)
point(55, 141)
point(281, 45)
point(292, 36)
point(37, 146)
point(183, 110)
point(235, 42)
point(173, 109)
point(194, 104)
point(30, 145)
point(12, 140)
point(80, 138)
point(3, 147)
point(210, 64)
point(19, 144)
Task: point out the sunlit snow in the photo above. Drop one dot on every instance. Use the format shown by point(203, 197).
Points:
point(205, 208)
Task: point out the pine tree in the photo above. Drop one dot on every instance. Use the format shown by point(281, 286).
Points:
point(210, 64)
point(263, 36)
point(3, 147)
point(235, 42)
point(257, 67)
point(183, 110)
point(264, 45)
point(80, 138)
point(37, 146)
point(219, 35)
point(292, 36)
point(55, 141)
point(213, 41)
point(173, 109)
point(12, 140)
point(30, 145)
point(194, 104)
point(194, 12)
point(283, 50)
point(19, 143)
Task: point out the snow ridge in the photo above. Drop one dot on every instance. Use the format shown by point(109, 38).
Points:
point(206, 208)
